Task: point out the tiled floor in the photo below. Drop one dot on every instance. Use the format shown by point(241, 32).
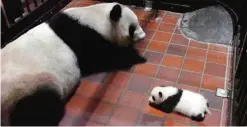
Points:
point(121, 98)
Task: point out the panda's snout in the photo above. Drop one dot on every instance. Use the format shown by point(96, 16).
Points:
point(150, 100)
point(139, 35)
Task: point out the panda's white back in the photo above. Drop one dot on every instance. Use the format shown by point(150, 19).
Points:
point(191, 103)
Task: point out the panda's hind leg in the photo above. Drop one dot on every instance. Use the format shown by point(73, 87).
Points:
point(42, 108)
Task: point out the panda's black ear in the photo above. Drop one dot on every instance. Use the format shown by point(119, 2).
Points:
point(116, 13)
point(160, 95)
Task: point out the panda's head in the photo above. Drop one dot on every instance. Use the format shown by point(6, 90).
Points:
point(115, 22)
point(126, 25)
point(160, 93)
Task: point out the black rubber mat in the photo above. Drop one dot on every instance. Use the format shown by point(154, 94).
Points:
point(212, 24)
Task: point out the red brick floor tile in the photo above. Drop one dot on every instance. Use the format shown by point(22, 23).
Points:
point(218, 48)
point(179, 117)
point(150, 120)
point(146, 69)
point(229, 60)
point(153, 57)
point(172, 61)
point(229, 72)
point(225, 110)
point(140, 51)
point(211, 120)
point(177, 30)
point(123, 116)
point(101, 113)
point(197, 44)
point(215, 69)
point(196, 53)
point(111, 94)
point(162, 36)
point(66, 121)
point(152, 25)
point(193, 65)
point(169, 122)
point(212, 83)
point(81, 4)
point(213, 100)
point(149, 33)
point(140, 14)
point(158, 18)
point(150, 110)
point(131, 99)
point(217, 57)
point(120, 79)
point(190, 78)
point(88, 89)
point(90, 123)
point(179, 39)
point(190, 88)
point(140, 84)
point(89, 2)
point(157, 46)
point(72, 4)
point(169, 13)
point(169, 74)
point(77, 106)
point(166, 27)
point(176, 50)
point(96, 77)
point(143, 44)
point(170, 19)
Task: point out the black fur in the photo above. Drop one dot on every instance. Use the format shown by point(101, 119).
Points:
point(43, 108)
point(198, 118)
point(95, 54)
point(116, 13)
point(170, 103)
point(160, 94)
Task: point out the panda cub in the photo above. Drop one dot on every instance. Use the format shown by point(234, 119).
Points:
point(169, 99)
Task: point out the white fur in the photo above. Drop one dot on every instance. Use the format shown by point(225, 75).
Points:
point(36, 58)
point(97, 17)
point(190, 104)
point(40, 57)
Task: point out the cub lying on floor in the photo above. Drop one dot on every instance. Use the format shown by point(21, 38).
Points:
point(169, 99)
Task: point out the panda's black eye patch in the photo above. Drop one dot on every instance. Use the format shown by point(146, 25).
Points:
point(132, 29)
point(160, 95)
point(153, 98)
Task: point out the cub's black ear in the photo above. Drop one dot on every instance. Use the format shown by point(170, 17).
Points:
point(116, 13)
point(160, 95)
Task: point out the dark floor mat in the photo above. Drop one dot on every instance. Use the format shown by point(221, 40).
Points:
point(212, 24)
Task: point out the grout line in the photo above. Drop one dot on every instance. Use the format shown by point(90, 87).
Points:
point(184, 57)
point(222, 112)
point(204, 68)
point(206, 43)
point(142, 105)
point(123, 92)
point(163, 55)
point(182, 70)
point(126, 87)
point(145, 50)
point(225, 87)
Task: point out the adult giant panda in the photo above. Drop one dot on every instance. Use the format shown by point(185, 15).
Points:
point(41, 68)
